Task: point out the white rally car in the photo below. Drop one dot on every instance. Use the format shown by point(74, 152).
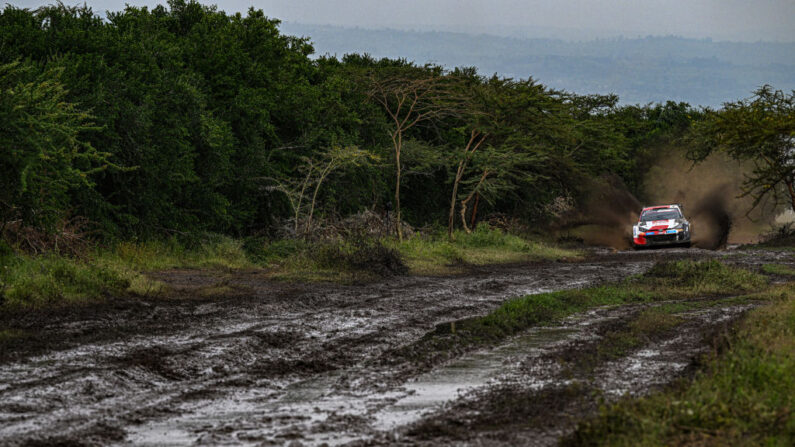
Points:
point(661, 225)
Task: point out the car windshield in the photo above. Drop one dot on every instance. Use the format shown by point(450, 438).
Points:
point(661, 214)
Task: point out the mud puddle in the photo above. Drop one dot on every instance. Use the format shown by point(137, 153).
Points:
point(431, 390)
point(317, 411)
point(329, 410)
point(284, 363)
point(541, 401)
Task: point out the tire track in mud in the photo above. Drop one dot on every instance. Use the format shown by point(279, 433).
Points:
point(231, 358)
point(541, 399)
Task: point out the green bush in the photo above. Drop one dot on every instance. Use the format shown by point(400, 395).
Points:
point(484, 236)
point(5, 250)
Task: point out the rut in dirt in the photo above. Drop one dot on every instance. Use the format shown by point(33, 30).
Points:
point(213, 371)
point(530, 390)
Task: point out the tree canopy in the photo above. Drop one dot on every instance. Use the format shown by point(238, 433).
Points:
point(760, 130)
point(196, 112)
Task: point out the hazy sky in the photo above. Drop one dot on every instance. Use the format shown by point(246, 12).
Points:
point(748, 20)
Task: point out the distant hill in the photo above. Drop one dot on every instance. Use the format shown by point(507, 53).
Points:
point(700, 72)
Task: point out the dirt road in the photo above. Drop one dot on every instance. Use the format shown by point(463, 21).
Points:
point(264, 363)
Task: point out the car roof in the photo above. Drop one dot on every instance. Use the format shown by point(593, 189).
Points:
point(661, 207)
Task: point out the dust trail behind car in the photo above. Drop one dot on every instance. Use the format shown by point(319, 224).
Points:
point(710, 193)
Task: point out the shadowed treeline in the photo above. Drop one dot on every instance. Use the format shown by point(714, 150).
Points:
point(183, 120)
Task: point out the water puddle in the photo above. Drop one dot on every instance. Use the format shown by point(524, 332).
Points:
point(332, 409)
point(312, 411)
point(429, 391)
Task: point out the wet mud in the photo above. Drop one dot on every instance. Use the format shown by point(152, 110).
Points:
point(270, 363)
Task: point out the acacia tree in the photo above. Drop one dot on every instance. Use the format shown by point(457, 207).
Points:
point(508, 144)
point(476, 139)
point(498, 170)
point(410, 96)
point(313, 172)
point(761, 130)
point(335, 158)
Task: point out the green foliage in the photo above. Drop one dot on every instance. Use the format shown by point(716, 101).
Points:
point(52, 280)
point(778, 269)
point(215, 251)
point(343, 260)
point(5, 250)
point(705, 277)
point(200, 111)
point(744, 396)
point(283, 249)
point(361, 257)
point(43, 156)
point(760, 129)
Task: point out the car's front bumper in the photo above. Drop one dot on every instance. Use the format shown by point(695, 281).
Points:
point(661, 237)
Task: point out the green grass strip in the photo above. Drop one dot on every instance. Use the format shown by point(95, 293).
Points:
point(665, 281)
point(745, 395)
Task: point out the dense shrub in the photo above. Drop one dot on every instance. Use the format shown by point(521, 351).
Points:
point(371, 255)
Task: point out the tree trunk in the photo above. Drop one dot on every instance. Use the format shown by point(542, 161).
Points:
point(314, 195)
point(464, 216)
point(468, 198)
point(451, 218)
point(397, 188)
point(791, 189)
point(472, 220)
point(462, 165)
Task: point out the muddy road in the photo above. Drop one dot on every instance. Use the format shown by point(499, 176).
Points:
point(238, 359)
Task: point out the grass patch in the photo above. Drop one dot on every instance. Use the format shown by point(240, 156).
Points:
point(215, 252)
point(778, 269)
point(745, 395)
point(36, 281)
point(665, 281)
point(689, 306)
point(354, 259)
point(9, 335)
point(437, 255)
point(646, 326)
point(28, 281)
point(52, 280)
point(363, 258)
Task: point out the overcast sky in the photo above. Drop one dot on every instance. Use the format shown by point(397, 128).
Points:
point(747, 20)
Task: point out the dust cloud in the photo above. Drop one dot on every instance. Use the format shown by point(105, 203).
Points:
point(708, 192)
point(605, 217)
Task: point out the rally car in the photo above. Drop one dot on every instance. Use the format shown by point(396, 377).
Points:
point(661, 225)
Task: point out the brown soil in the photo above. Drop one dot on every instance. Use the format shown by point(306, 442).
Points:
point(275, 362)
